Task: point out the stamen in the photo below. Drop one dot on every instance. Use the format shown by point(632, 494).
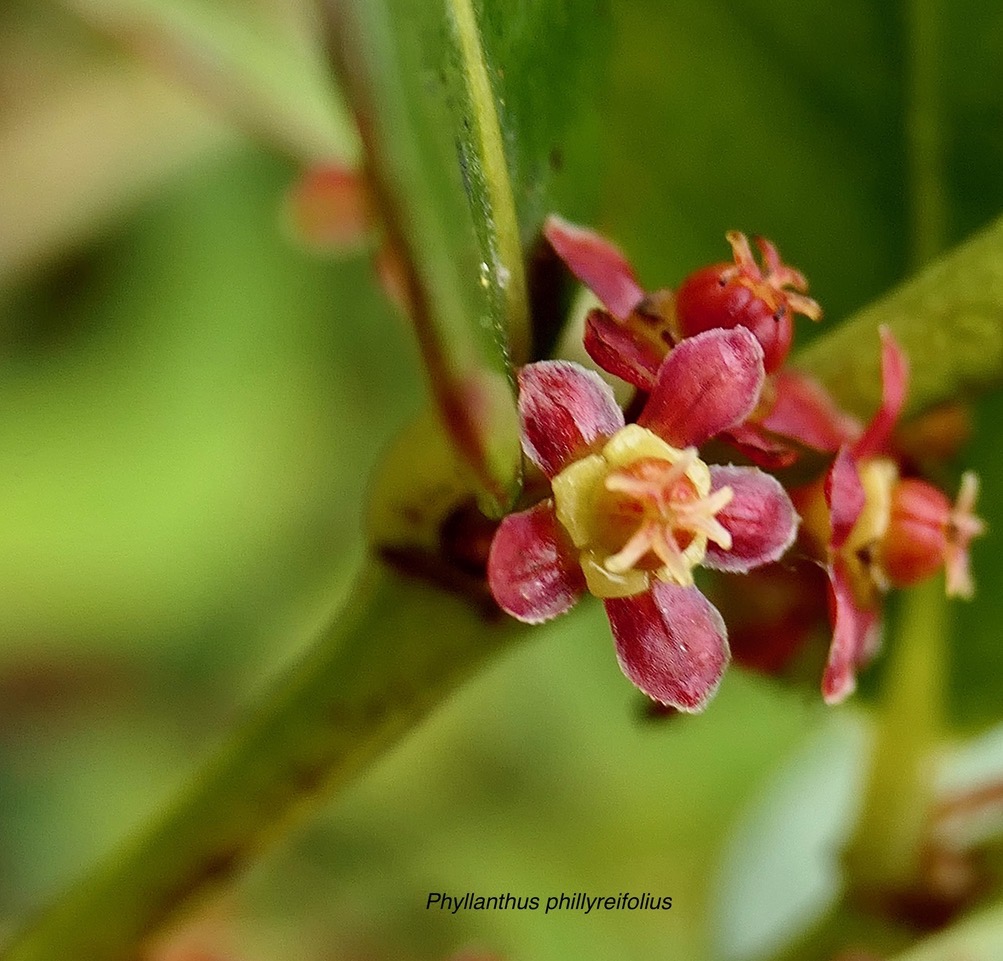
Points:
point(631, 552)
point(963, 527)
point(667, 511)
point(713, 529)
point(804, 305)
point(962, 519)
point(698, 516)
point(667, 551)
point(745, 263)
point(641, 487)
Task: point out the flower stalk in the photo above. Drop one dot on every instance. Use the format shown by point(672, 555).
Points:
point(886, 850)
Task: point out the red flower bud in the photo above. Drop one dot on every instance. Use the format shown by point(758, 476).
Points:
point(914, 546)
point(742, 295)
point(926, 531)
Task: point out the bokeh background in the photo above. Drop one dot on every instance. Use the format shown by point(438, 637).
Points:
point(191, 402)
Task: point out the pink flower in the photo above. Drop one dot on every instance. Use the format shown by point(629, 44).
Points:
point(634, 510)
point(631, 337)
point(883, 531)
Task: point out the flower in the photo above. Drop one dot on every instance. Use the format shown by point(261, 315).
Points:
point(878, 530)
point(741, 293)
point(634, 510)
point(632, 335)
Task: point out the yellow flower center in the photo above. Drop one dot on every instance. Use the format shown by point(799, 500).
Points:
point(878, 476)
point(639, 508)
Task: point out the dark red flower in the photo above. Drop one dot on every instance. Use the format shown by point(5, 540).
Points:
point(743, 294)
point(634, 510)
point(883, 531)
point(632, 335)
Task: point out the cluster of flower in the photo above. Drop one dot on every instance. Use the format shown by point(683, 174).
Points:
point(633, 508)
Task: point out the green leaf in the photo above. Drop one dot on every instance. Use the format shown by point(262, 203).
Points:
point(547, 61)
point(948, 319)
point(423, 88)
point(393, 62)
point(259, 65)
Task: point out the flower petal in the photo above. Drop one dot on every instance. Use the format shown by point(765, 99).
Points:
point(760, 446)
point(760, 518)
point(597, 263)
point(804, 412)
point(617, 348)
point(894, 381)
point(708, 383)
point(845, 496)
point(671, 643)
point(533, 570)
point(855, 637)
point(565, 411)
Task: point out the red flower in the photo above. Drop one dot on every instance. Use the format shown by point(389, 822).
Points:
point(883, 531)
point(631, 337)
point(741, 293)
point(634, 510)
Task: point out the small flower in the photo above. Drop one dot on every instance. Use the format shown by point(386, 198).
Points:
point(635, 509)
point(882, 531)
point(925, 532)
point(631, 337)
point(742, 293)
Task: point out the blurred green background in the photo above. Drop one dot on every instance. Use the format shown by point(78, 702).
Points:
point(190, 405)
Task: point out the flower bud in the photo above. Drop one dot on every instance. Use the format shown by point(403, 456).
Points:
point(741, 294)
point(915, 543)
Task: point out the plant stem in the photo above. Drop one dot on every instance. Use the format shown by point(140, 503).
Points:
point(368, 681)
point(890, 837)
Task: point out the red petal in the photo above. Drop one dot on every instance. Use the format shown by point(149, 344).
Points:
point(806, 413)
point(854, 637)
point(533, 570)
point(844, 493)
point(617, 349)
point(671, 643)
point(598, 264)
point(708, 383)
point(760, 518)
point(894, 380)
point(760, 446)
point(565, 410)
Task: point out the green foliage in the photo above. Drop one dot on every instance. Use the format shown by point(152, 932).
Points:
point(190, 409)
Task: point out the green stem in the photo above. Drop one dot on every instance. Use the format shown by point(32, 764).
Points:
point(887, 846)
point(363, 685)
point(949, 319)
